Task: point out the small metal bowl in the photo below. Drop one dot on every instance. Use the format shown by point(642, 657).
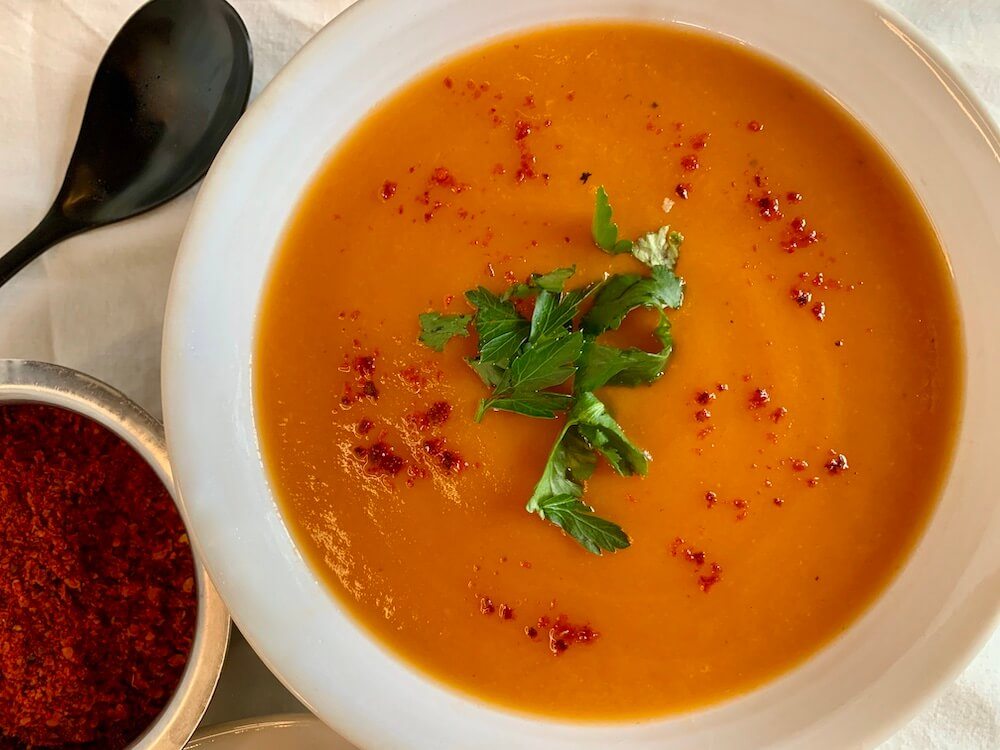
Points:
point(22, 381)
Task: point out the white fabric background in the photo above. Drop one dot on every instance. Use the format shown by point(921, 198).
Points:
point(96, 302)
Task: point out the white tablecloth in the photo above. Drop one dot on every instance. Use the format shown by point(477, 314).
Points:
point(96, 302)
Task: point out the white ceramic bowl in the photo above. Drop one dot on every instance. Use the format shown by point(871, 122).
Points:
point(918, 635)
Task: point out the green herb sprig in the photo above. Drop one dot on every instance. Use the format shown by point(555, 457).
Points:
point(528, 365)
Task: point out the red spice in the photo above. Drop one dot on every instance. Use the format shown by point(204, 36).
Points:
point(813, 481)
point(703, 415)
point(799, 464)
point(797, 236)
point(437, 414)
point(700, 141)
point(706, 582)
point(793, 197)
point(364, 426)
point(383, 460)
point(801, 297)
point(837, 463)
point(522, 130)
point(364, 366)
point(768, 206)
point(448, 83)
point(388, 189)
point(683, 190)
point(531, 632)
point(819, 311)
point(711, 498)
point(721, 387)
point(97, 589)
point(486, 605)
point(742, 508)
point(452, 462)
point(754, 127)
point(778, 501)
point(564, 634)
point(704, 397)
point(506, 612)
point(690, 163)
point(759, 398)
point(778, 414)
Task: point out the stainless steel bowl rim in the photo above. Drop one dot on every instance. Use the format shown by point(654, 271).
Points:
point(25, 381)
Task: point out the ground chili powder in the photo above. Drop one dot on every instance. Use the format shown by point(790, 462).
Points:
point(97, 592)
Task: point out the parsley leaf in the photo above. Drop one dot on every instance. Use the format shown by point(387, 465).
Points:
point(622, 293)
point(436, 329)
point(501, 329)
point(577, 519)
point(554, 313)
point(604, 434)
point(490, 373)
point(558, 496)
point(544, 364)
point(603, 227)
point(601, 365)
point(659, 248)
point(553, 281)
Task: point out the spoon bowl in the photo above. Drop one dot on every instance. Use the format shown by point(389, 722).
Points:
point(171, 86)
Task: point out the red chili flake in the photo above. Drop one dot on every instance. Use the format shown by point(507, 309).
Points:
point(360, 451)
point(543, 622)
point(801, 297)
point(382, 459)
point(364, 426)
point(778, 501)
point(759, 398)
point(364, 366)
point(526, 564)
point(768, 207)
point(388, 189)
point(793, 197)
point(676, 545)
point(700, 141)
point(695, 556)
point(584, 176)
point(819, 311)
point(813, 482)
point(531, 632)
point(838, 342)
point(452, 462)
point(369, 390)
point(799, 464)
point(721, 387)
point(704, 397)
point(683, 190)
point(742, 508)
point(437, 414)
point(448, 83)
point(711, 498)
point(563, 634)
point(837, 463)
point(522, 130)
point(98, 600)
point(486, 605)
point(703, 415)
point(690, 163)
point(505, 612)
point(778, 414)
point(754, 127)
point(796, 236)
point(706, 582)
point(433, 446)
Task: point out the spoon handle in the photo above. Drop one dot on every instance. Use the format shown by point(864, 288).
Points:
point(50, 230)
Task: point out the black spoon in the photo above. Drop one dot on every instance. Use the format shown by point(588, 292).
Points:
point(171, 86)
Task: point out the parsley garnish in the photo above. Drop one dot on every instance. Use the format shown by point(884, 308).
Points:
point(604, 229)
point(528, 365)
point(436, 329)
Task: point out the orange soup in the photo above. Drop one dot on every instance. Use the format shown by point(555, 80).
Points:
point(797, 439)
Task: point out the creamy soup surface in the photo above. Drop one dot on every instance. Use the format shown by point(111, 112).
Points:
point(799, 436)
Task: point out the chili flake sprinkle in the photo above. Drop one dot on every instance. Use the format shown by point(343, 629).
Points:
point(97, 592)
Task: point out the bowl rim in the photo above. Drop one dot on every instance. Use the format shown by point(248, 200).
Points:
point(941, 671)
point(33, 382)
